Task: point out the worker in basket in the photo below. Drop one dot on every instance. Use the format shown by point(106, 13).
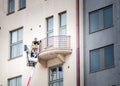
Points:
point(33, 58)
point(34, 48)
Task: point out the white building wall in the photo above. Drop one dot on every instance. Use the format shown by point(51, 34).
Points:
point(34, 17)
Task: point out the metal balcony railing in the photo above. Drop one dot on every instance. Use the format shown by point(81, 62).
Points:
point(55, 42)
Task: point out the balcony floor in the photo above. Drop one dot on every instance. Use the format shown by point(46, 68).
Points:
point(50, 54)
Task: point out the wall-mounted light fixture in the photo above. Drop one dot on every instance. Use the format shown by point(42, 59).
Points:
point(31, 29)
point(39, 26)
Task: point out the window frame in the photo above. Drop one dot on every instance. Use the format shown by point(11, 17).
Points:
point(104, 16)
point(101, 19)
point(57, 80)
point(102, 59)
point(20, 5)
point(16, 77)
point(10, 12)
point(64, 27)
point(16, 43)
point(49, 31)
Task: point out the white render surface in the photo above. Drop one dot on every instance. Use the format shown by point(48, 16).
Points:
point(34, 17)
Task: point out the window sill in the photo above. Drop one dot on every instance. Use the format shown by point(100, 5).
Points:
point(15, 57)
point(91, 72)
point(21, 8)
point(100, 29)
point(10, 13)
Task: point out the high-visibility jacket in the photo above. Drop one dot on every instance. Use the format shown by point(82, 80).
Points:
point(34, 46)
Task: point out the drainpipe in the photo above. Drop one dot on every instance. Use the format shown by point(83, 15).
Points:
point(77, 45)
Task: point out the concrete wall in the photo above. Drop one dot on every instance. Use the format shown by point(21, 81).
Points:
point(99, 39)
point(34, 16)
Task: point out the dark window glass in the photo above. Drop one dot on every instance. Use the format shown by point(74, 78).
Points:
point(101, 19)
point(109, 56)
point(95, 60)
point(63, 23)
point(50, 24)
point(60, 72)
point(94, 21)
point(63, 19)
point(56, 76)
point(15, 81)
point(102, 58)
point(49, 31)
point(16, 43)
point(22, 4)
point(11, 6)
point(108, 17)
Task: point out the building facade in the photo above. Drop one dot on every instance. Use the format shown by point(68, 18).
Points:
point(102, 42)
point(54, 23)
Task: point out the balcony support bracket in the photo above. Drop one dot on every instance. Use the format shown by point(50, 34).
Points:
point(44, 63)
point(61, 58)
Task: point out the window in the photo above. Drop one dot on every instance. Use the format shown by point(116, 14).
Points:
point(11, 6)
point(95, 60)
point(15, 81)
point(63, 23)
point(108, 17)
point(62, 30)
point(56, 76)
point(94, 21)
point(101, 19)
point(49, 31)
point(22, 4)
point(16, 43)
point(101, 58)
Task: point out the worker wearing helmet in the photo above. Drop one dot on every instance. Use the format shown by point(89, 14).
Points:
point(34, 48)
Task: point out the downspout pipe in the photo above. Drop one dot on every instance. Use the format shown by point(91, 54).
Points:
point(77, 45)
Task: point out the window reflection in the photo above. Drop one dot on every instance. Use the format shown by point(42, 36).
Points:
point(56, 76)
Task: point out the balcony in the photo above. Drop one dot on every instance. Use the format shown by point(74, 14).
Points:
point(54, 47)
